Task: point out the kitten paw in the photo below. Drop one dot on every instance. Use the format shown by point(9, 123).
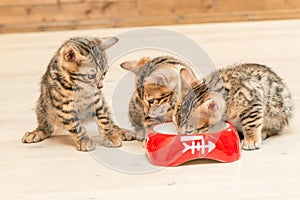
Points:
point(264, 135)
point(140, 135)
point(140, 139)
point(127, 135)
point(251, 144)
point(116, 139)
point(85, 144)
point(33, 137)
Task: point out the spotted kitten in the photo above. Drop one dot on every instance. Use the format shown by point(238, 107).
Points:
point(251, 96)
point(71, 93)
point(158, 84)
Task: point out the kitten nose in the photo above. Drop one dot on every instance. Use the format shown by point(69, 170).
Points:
point(100, 85)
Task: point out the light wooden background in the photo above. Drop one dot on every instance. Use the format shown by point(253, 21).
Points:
point(41, 15)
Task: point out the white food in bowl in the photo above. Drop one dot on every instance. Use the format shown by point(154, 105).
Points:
point(169, 128)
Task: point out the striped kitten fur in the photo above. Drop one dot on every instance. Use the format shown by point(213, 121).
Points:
point(71, 93)
point(157, 87)
point(251, 96)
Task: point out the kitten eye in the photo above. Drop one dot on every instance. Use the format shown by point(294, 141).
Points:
point(151, 101)
point(91, 76)
point(202, 129)
point(103, 75)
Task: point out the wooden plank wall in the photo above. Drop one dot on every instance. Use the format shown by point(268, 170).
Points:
point(42, 15)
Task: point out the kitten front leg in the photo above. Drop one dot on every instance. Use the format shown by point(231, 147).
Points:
point(109, 130)
point(82, 141)
point(148, 123)
point(43, 131)
point(252, 135)
point(140, 134)
point(252, 125)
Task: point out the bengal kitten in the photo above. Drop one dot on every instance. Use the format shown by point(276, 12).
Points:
point(251, 96)
point(157, 87)
point(71, 93)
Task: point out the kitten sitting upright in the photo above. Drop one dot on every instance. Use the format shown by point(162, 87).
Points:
point(158, 85)
point(251, 96)
point(71, 93)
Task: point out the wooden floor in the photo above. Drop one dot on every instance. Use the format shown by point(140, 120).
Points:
point(53, 169)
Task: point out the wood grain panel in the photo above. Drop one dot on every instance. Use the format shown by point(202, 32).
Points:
point(26, 2)
point(34, 15)
point(65, 12)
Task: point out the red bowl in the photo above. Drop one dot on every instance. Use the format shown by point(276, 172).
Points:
point(164, 147)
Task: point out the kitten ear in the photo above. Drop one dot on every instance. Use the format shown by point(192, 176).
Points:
point(213, 105)
point(129, 65)
point(157, 79)
point(210, 106)
point(134, 65)
point(196, 82)
point(71, 54)
point(186, 80)
point(107, 42)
